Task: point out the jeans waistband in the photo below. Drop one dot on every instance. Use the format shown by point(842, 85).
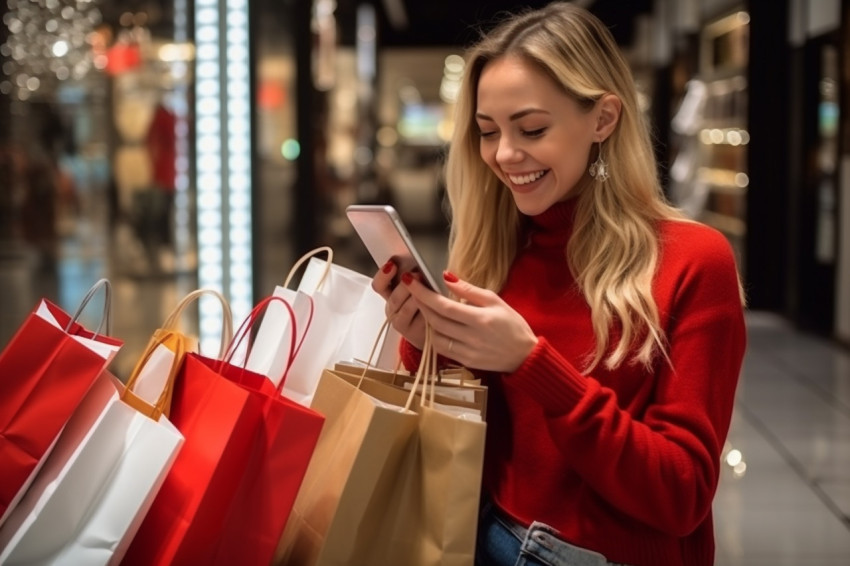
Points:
point(544, 542)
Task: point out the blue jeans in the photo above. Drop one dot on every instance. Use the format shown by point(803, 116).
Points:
point(503, 542)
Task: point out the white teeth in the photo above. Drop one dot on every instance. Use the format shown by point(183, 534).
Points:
point(525, 179)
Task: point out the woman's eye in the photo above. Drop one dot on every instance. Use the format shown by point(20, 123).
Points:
point(534, 133)
point(486, 134)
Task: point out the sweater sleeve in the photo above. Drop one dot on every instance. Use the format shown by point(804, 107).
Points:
point(410, 355)
point(659, 465)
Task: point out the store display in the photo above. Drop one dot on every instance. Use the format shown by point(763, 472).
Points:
point(723, 134)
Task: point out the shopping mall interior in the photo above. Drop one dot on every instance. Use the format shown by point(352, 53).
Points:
point(169, 145)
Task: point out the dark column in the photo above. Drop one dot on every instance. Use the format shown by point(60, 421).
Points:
point(768, 82)
point(795, 127)
point(305, 223)
point(662, 113)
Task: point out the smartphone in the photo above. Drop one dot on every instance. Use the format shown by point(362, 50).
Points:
point(382, 231)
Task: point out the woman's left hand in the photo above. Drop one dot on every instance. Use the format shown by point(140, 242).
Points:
point(482, 332)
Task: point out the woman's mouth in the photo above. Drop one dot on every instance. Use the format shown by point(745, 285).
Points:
point(526, 181)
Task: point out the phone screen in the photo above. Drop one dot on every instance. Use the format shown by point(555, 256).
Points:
point(385, 236)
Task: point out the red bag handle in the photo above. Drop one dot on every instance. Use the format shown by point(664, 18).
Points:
point(253, 317)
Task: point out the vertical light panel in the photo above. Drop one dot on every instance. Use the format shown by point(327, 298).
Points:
point(238, 177)
point(223, 159)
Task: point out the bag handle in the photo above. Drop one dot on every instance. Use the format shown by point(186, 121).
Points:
point(426, 373)
point(173, 319)
point(251, 319)
point(106, 318)
point(177, 344)
point(425, 366)
point(368, 363)
point(168, 334)
point(304, 258)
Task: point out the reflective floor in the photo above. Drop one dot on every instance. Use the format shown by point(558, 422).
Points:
point(784, 497)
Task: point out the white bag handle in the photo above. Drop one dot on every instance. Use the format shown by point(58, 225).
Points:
point(106, 318)
point(307, 256)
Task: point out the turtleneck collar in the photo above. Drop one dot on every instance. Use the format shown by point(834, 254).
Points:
point(554, 225)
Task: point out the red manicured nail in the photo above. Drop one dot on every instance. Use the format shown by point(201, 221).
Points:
point(388, 266)
point(450, 277)
point(406, 278)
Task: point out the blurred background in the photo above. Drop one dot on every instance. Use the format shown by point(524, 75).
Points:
point(176, 144)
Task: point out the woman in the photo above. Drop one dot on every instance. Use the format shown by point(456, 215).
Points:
point(608, 327)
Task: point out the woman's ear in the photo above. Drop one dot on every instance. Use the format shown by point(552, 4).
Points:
point(608, 114)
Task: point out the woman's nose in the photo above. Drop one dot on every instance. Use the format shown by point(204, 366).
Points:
point(508, 151)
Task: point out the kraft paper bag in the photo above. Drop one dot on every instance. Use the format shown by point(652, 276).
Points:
point(380, 495)
point(349, 490)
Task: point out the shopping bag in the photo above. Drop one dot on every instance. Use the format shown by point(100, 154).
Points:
point(453, 387)
point(282, 452)
point(451, 456)
point(159, 363)
point(345, 316)
point(45, 371)
point(96, 486)
point(228, 494)
point(270, 353)
point(348, 492)
point(88, 501)
point(418, 507)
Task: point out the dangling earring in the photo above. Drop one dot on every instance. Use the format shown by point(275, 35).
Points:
point(599, 168)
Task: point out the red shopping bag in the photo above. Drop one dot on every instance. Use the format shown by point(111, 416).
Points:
point(45, 371)
point(229, 494)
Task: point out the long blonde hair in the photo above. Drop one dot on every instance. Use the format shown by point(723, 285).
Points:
point(614, 249)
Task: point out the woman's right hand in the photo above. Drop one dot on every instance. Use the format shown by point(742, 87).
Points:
point(401, 307)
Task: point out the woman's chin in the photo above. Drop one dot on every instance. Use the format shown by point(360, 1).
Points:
point(531, 206)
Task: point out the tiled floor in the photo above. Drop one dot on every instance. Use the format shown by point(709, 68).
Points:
point(792, 427)
point(784, 498)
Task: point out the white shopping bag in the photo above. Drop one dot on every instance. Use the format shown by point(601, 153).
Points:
point(88, 500)
point(270, 351)
point(45, 371)
point(346, 316)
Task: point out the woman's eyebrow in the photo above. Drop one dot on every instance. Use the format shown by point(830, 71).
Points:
point(514, 116)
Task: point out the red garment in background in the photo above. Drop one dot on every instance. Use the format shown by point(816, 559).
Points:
point(162, 147)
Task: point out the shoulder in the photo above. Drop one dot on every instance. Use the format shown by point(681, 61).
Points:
point(690, 243)
point(696, 260)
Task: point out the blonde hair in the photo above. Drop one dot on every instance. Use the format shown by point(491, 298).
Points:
point(614, 249)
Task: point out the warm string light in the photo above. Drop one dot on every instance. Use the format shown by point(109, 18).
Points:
point(49, 41)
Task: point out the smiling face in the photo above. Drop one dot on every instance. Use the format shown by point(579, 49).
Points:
point(534, 137)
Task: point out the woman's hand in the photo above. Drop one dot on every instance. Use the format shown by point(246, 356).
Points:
point(400, 308)
point(482, 332)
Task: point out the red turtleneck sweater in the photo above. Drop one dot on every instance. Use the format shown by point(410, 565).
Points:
point(623, 462)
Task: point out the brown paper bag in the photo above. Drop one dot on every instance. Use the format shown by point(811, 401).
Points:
point(348, 491)
point(434, 521)
point(454, 383)
point(388, 485)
